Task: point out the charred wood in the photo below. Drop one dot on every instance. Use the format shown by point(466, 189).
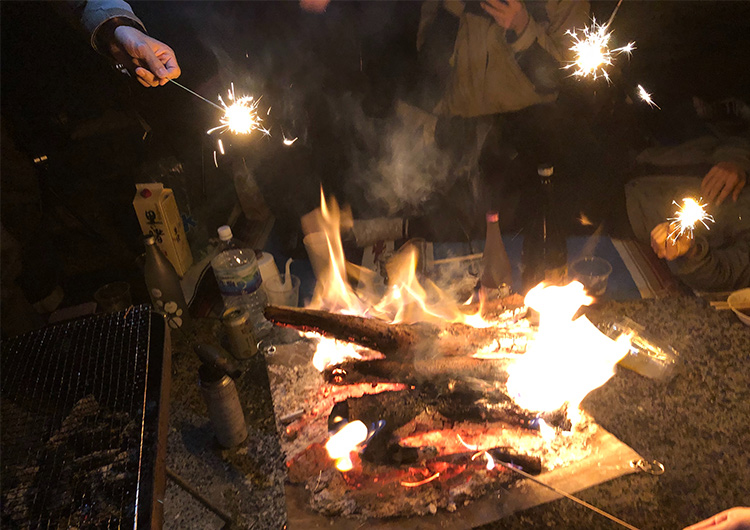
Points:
point(418, 341)
point(416, 372)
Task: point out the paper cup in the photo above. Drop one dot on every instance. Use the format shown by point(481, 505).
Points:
point(316, 245)
point(279, 294)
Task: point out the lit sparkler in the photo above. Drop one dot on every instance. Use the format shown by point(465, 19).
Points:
point(687, 216)
point(241, 117)
point(592, 51)
point(646, 97)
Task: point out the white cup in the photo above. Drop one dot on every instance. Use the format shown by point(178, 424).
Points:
point(268, 270)
point(316, 245)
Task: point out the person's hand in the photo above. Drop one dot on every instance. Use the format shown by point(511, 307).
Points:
point(152, 61)
point(510, 14)
point(669, 248)
point(314, 6)
point(737, 518)
point(723, 179)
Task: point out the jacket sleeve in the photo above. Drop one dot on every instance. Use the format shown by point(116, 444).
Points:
point(92, 14)
point(564, 15)
point(716, 269)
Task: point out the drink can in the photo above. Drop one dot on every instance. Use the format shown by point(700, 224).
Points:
point(239, 330)
point(224, 409)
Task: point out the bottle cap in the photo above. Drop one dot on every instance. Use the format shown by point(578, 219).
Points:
point(225, 232)
point(545, 170)
point(493, 217)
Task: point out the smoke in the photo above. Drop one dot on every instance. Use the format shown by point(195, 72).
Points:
point(408, 168)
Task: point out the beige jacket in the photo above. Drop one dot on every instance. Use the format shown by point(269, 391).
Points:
point(486, 78)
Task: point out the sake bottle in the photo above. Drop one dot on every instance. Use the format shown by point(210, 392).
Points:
point(164, 286)
point(496, 269)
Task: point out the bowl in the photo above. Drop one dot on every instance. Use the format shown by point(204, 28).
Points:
point(739, 302)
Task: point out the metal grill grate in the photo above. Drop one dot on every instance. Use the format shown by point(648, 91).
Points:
point(80, 416)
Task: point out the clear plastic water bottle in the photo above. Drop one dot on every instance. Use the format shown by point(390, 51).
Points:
point(237, 273)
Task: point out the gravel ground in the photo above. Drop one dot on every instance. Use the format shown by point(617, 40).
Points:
point(697, 425)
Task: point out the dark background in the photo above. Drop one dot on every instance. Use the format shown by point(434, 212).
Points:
point(101, 131)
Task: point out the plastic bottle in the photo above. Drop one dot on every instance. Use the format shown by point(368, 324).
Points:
point(649, 354)
point(544, 255)
point(164, 286)
point(496, 269)
point(237, 273)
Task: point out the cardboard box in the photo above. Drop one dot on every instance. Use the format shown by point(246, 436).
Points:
point(158, 215)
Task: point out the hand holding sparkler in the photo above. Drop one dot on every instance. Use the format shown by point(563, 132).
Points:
point(723, 179)
point(666, 246)
point(510, 14)
point(153, 62)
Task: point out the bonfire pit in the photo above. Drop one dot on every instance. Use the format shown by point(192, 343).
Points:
point(402, 402)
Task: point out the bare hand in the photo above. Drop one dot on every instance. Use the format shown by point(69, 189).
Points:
point(724, 178)
point(314, 6)
point(153, 62)
point(510, 14)
point(737, 518)
point(667, 247)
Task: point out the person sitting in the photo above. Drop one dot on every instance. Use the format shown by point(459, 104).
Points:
point(716, 257)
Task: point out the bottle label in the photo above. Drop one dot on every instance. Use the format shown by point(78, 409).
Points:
point(239, 281)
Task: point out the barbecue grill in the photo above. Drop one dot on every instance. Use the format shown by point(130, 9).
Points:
point(84, 423)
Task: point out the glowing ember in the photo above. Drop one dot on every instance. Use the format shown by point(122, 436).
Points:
point(687, 216)
point(288, 141)
point(592, 52)
point(567, 359)
point(241, 117)
point(331, 352)
point(646, 97)
point(421, 482)
point(341, 444)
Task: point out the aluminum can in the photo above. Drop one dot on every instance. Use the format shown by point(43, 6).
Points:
point(224, 409)
point(239, 330)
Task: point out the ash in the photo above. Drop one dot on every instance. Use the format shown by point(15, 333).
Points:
point(376, 490)
point(93, 457)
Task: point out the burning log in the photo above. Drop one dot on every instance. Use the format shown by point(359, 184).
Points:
point(530, 464)
point(386, 412)
point(403, 342)
point(417, 372)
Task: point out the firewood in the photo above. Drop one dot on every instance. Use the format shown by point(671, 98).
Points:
point(417, 372)
point(418, 341)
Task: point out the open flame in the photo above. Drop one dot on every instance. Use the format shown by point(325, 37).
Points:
point(344, 442)
point(563, 361)
point(567, 358)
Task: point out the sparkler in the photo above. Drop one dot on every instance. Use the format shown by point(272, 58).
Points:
point(646, 97)
point(592, 51)
point(241, 117)
point(687, 216)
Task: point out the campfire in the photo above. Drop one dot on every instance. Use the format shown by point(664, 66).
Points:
point(413, 402)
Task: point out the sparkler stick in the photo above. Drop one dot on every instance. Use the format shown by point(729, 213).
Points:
point(197, 95)
point(687, 216)
point(568, 496)
point(612, 16)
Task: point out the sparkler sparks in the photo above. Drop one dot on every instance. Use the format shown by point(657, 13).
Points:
point(592, 51)
point(646, 97)
point(241, 117)
point(687, 216)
